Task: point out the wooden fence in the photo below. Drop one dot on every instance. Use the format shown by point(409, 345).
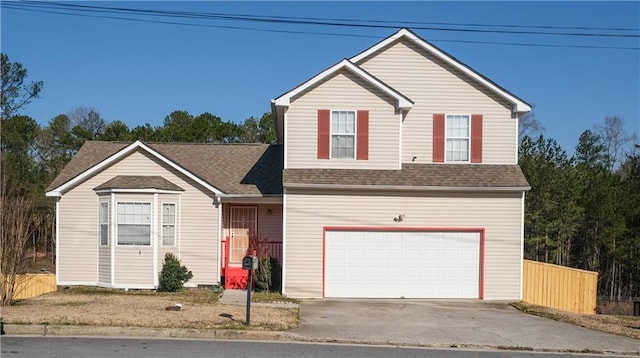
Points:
point(31, 285)
point(559, 287)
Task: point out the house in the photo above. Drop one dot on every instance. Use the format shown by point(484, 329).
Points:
point(395, 176)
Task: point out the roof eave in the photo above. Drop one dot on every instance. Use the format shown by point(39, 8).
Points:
point(403, 102)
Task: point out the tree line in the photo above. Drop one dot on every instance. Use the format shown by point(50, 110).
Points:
point(583, 210)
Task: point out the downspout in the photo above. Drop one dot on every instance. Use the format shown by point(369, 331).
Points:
point(112, 237)
point(284, 241)
point(521, 243)
point(218, 204)
point(156, 241)
point(58, 238)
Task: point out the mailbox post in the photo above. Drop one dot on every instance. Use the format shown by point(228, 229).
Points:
point(249, 263)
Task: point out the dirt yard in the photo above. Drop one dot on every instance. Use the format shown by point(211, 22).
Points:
point(144, 309)
point(628, 326)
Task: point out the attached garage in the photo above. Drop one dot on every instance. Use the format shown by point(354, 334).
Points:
point(409, 263)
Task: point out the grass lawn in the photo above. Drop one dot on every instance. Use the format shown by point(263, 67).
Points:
point(106, 307)
point(628, 326)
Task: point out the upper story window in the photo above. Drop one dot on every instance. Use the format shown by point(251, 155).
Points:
point(343, 134)
point(134, 223)
point(168, 224)
point(104, 223)
point(457, 138)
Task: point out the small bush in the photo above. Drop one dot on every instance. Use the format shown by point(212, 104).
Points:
point(263, 274)
point(268, 275)
point(173, 275)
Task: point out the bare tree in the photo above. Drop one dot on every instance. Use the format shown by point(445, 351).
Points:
point(615, 139)
point(528, 125)
point(86, 123)
point(18, 226)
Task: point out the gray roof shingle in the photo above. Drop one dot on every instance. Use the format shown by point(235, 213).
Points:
point(138, 182)
point(414, 175)
point(256, 169)
point(231, 168)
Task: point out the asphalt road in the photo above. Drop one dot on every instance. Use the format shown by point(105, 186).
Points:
point(16, 347)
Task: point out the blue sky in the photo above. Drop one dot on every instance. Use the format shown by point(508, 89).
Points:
point(139, 72)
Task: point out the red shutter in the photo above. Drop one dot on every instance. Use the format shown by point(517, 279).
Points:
point(438, 138)
point(476, 138)
point(362, 130)
point(324, 133)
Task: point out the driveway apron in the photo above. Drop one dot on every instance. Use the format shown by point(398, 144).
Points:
point(448, 323)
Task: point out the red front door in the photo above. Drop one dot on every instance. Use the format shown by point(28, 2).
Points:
point(242, 225)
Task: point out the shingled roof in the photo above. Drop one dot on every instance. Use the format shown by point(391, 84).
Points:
point(245, 169)
point(418, 176)
point(256, 169)
point(138, 182)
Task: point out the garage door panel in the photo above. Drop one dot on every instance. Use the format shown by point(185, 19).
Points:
point(402, 264)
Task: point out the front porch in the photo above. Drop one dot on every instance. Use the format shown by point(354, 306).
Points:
point(247, 229)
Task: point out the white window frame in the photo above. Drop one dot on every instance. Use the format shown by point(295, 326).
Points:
point(174, 224)
point(447, 138)
point(354, 134)
point(104, 205)
point(150, 223)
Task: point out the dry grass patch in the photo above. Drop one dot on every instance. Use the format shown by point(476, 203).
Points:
point(103, 307)
point(628, 326)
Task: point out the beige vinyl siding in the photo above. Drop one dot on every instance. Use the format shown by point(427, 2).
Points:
point(436, 87)
point(497, 213)
point(134, 267)
point(78, 250)
point(104, 265)
point(77, 253)
point(343, 91)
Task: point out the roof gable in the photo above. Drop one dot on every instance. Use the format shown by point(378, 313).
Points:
point(402, 101)
point(223, 169)
point(519, 105)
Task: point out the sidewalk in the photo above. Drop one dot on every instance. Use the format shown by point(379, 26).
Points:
point(239, 297)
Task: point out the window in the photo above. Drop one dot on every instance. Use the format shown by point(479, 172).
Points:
point(343, 134)
point(457, 138)
point(168, 224)
point(134, 224)
point(104, 223)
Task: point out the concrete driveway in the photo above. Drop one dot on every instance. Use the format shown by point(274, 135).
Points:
point(446, 323)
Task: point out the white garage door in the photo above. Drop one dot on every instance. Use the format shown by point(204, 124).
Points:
point(392, 264)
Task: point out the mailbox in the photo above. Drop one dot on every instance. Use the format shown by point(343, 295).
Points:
point(250, 262)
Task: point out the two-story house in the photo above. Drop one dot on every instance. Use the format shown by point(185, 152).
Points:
point(395, 176)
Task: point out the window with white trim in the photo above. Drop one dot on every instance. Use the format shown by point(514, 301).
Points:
point(168, 224)
point(457, 137)
point(103, 217)
point(343, 134)
point(134, 223)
